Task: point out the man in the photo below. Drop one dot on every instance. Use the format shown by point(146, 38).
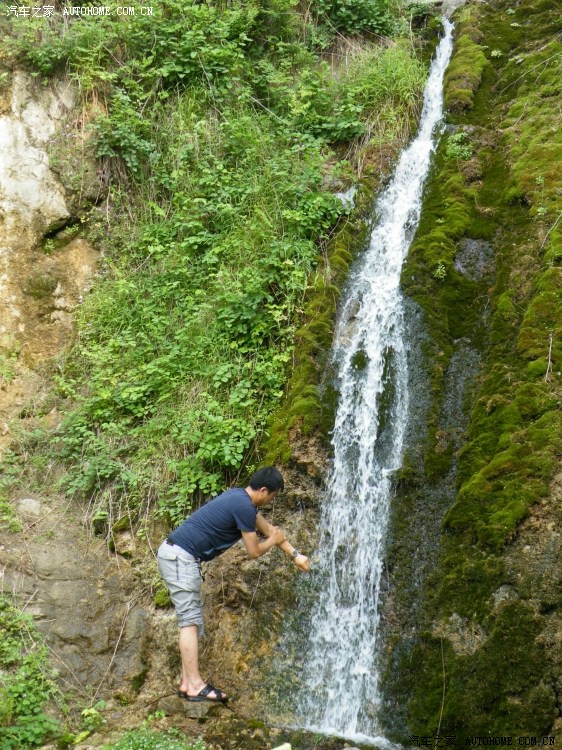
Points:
point(204, 535)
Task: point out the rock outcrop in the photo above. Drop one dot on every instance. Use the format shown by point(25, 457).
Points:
point(87, 602)
point(45, 265)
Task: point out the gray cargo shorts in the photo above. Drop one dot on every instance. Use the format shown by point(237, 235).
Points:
point(182, 576)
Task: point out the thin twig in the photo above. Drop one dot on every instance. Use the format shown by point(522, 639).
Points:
point(128, 608)
point(542, 62)
point(520, 116)
point(549, 366)
point(257, 101)
point(550, 230)
point(32, 596)
point(70, 671)
point(443, 696)
point(107, 219)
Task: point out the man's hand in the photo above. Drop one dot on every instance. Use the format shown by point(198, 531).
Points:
point(302, 562)
point(276, 535)
point(256, 548)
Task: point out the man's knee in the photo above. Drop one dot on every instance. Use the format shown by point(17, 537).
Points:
point(191, 619)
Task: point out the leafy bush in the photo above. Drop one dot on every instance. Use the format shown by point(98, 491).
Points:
point(458, 146)
point(8, 368)
point(8, 519)
point(356, 16)
point(198, 371)
point(25, 685)
point(421, 9)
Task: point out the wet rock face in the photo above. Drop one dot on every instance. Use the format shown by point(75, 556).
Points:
point(474, 259)
point(173, 705)
point(246, 604)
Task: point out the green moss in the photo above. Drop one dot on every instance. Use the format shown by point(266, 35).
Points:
point(537, 368)
point(255, 724)
point(466, 589)
point(359, 360)
point(39, 286)
point(499, 494)
point(123, 524)
point(138, 680)
point(161, 598)
point(533, 399)
point(480, 698)
point(464, 74)
point(553, 256)
point(541, 328)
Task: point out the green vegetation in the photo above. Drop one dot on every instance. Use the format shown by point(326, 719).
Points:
point(458, 146)
point(220, 147)
point(7, 368)
point(355, 16)
point(515, 426)
point(146, 739)
point(26, 685)
point(30, 698)
point(8, 519)
point(225, 133)
point(464, 73)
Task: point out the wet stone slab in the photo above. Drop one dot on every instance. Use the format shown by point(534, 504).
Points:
point(474, 259)
point(204, 709)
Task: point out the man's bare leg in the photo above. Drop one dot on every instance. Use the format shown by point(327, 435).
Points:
point(191, 682)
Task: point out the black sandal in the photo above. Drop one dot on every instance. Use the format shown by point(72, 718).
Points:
point(203, 695)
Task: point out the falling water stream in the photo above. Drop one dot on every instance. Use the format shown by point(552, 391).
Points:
point(340, 692)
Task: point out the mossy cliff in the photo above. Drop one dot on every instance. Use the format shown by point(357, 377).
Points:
point(474, 609)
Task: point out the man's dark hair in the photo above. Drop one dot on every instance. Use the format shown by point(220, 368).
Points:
point(269, 477)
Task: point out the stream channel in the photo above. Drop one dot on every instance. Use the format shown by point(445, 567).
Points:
point(339, 633)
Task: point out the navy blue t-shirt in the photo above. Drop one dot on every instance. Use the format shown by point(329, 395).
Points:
point(217, 525)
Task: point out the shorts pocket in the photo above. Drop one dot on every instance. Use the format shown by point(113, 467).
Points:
point(167, 554)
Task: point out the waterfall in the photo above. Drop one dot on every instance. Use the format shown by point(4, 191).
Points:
point(340, 692)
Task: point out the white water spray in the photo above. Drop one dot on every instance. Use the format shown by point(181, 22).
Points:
point(340, 684)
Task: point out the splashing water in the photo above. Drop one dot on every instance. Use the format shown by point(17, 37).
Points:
point(339, 692)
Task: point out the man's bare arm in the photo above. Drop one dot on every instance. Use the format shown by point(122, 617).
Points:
point(255, 548)
point(301, 561)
